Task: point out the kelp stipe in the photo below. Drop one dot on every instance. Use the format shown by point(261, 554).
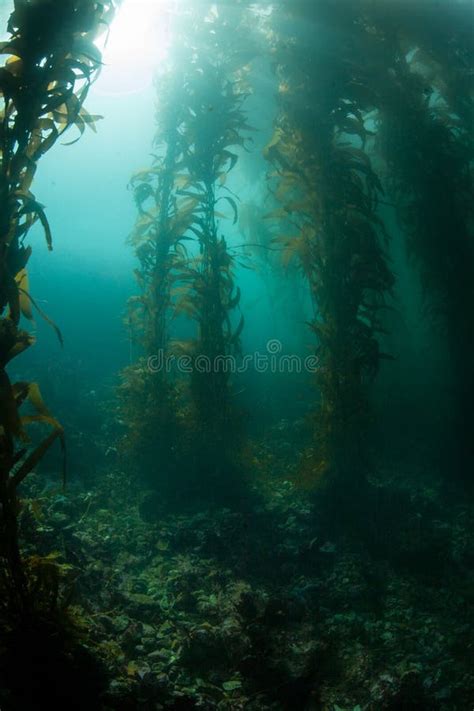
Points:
point(186, 269)
point(51, 62)
point(329, 191)
point(150, 399)
point(214, 128)
point(211, 294)
point(425, 101)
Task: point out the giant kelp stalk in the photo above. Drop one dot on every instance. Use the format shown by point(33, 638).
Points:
point(418, 60)
point(163, 218)
point(214, 127)
point(149, 393)
point(185, 268)
point(425, 97)
point(328, 190)
point(51, 60)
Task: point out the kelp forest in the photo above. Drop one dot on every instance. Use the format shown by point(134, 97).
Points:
point(237, 355)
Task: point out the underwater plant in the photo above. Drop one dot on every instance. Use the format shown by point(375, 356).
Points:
point(163, 219)
point(51, 60)
point(214, 129)
point(149, 399)
point(324, 180)
point(186, 270)
point(425, 98)
point(399, 96)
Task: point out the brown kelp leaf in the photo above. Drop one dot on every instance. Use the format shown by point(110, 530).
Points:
point(182, 181)
point(24, 290)
point(11, 291)
point(277, 214)
point(90, 119)
point(39, 419)
point(45, 144)
point(36, 399)
point(30, 462)
point(14, 65)
point(44, 316)
point(179, 348)
point(79, 123)
point(20, 391)
point(24, 341)
point(274, 141)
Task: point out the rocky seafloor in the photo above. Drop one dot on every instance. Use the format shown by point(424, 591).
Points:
point(262, 609)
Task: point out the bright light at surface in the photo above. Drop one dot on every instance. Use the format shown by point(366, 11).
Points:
point(137, 43)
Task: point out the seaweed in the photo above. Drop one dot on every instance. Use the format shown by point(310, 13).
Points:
point(51, 60)
point(213, 131)
point(186, 269)
point(425, 102)
point(326, 184)
point(150, 400)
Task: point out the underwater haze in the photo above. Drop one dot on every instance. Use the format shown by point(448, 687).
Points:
point(236, 355)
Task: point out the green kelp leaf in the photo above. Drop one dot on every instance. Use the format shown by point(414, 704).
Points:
point(142, 192)
point(232, 685)
point(236, 335)
point(193, 195)
point(233, 204)
point(33, 207)
point(85, 48)
point(228, 157)
point(45, 225)
point(234, 301)
point(354, 127)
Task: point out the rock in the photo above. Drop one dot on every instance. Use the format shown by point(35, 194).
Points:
point(120, 623)
point(141, 604)
point(148, 630)
point(118, 688)
point(148, 643)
